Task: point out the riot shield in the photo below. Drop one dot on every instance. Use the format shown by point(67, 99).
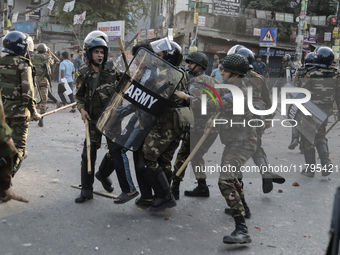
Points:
point(139, 99)
point(307, 125)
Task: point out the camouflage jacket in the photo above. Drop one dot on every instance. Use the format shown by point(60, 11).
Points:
point(284, 65)
point(324, 85)
point(7, 149)
point(107, 83)
point(261, 98)
point(240, 133)
point(198, 86)
point(16, 82)
point(168, 119)
point(300, 74)
point(42, 63)
point(174, 101)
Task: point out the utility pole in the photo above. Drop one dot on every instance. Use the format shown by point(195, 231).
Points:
point(5, 31)
point(299, 40)
point(195, 29)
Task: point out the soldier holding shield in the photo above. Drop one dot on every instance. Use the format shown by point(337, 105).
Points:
point(323, 83)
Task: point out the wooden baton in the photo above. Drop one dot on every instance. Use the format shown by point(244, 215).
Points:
point(88, 146)
point(198, 145)
point(57, 110)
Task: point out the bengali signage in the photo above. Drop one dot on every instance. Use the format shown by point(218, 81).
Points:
point(227, 7)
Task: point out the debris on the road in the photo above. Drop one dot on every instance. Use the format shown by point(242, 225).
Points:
point(259, 229)
point(166, 218)
point(27, 244)
point(280, 191)
point(250, 183)
point(96, 248)
point(55, 181)
point(296, 184)
point(4, 221)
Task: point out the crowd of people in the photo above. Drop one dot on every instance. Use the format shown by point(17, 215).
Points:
point(158, 73)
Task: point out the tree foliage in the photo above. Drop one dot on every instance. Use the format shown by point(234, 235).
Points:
point(105, 10)
point(314, 7)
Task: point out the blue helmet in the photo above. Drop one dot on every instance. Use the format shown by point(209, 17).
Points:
point(309, 59)
point(287, 56)
point(240, 49)
point(323, 57)
point(16, 43)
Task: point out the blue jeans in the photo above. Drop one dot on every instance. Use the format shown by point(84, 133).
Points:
point(61, 94)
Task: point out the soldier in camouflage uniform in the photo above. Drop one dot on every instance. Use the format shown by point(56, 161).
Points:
point(16, 82)
point(285, 63)
point(261, 101)
point(96, 82)
point(300, 74)
point(163, 139)
point(42, 62)
point(240, 144)
point(323, 84)
point(8, 153)
point(198, 62)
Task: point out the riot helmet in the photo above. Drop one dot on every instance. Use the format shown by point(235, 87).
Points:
point(92, 43)
point(236, 63)
point(41, 48)
point(30, 43)
point(309, 59)
point(323, 57)
point(171, 50)
point(97, 33)
point(287, 57)
point(15, 43)
point(198, 58)
point(240, 49)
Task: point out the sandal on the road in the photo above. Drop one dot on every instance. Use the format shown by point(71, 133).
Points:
point(124, 197)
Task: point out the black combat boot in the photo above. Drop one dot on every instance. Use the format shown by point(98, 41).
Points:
point(86, 178)
point(246, 209)
point(295, 138)
point(175, 188)
point(41, 122)
point(160, 184)
point(240, 234)
point(261, 161)
point(326, 163)
point(201, 190)
point(105, 170)
point(267, 182)
point(310, 161)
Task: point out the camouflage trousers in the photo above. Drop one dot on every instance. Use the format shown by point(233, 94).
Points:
point(234, 156)
point(19, 126)
point(259, 150)
point(7, 169)
point(5, 179)
point(96, 137)
point(320, 137)
point(160, 145)
point(184, 152)
point(43, 87)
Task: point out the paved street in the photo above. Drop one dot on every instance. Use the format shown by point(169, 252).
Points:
point(294, 221)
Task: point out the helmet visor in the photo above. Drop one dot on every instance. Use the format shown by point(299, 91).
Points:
point(161, 45)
